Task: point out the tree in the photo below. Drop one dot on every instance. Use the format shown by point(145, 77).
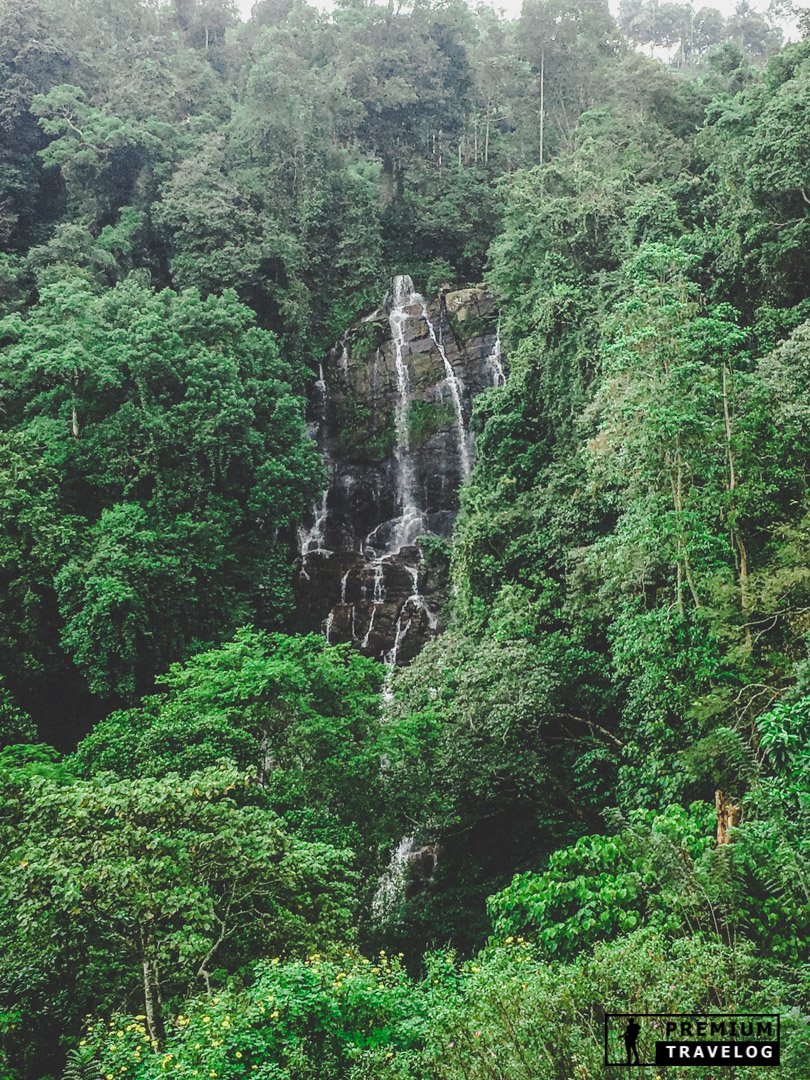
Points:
point(106, 161)
point(509, 727)
point(173, 878)
point(15, 725)
point(655, 871)
point(302, 717)
point(32, 60)
point(175, 462)
point(566, 46)
point(708, 27)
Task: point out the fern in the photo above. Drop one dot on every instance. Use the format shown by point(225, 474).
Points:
point(82, 1064)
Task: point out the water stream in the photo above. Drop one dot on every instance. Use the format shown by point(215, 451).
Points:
point(455, 393)
point(313, 540)
point(377, 586)
point(410, 521)
point(494, 361)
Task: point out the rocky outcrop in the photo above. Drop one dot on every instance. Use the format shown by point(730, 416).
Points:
point(390, 411)
point(420, 867)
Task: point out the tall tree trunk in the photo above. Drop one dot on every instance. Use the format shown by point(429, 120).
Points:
point(737, 540)
point(151, 997)
point(386, 183)
point(542, 100)
point(728, 816)
point(676, 481)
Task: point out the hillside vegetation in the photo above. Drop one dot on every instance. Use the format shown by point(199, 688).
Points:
point(198, 808)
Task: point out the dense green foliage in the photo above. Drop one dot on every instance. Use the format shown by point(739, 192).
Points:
point(197, 874)
point(300, 717)
point(152, 450)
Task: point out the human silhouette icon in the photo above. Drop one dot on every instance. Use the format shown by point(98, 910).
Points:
point(630, 1039)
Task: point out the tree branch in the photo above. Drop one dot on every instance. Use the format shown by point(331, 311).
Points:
point(595, 727)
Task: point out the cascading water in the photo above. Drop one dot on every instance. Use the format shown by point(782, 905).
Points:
point(455, 393)
point(366, 639)
point(343, 359)
point(391, 889)
point(410, 870)
point(494, 361)
point(314, 539)
point(413, 606)
point(379, 582)
point(388, 412)
point(410, 520)
point(323, 390)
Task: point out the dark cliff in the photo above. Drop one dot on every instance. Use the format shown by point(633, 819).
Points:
point(390, 411)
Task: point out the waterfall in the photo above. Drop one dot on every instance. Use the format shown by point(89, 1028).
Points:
point(369, 628)
point(387, 689)
point(404, 298)
point(313, 539)
point(410, 521)
point(494, 360)
point(413, 606)
point(396, 453)
point(391, 889)
point(379, 582)
point(400, 631)
point(410, 870)
point(413, 574)
point(343, 359)
point(323, 390)
point(455, 393)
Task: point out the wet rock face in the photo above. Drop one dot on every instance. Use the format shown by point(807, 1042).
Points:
point(390, 411)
